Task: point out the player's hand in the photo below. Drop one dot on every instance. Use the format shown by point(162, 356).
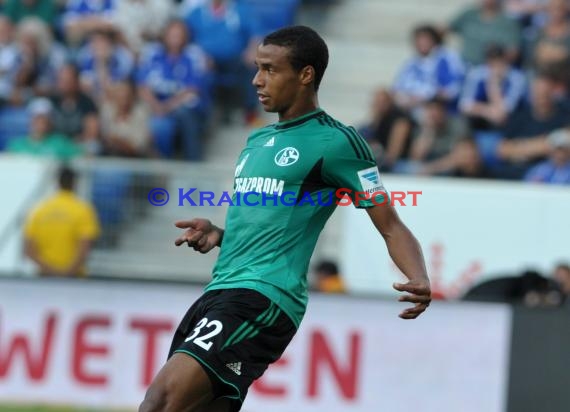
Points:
point(419, 293)
point(200, 234)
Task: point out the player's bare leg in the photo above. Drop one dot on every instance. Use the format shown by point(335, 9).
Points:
point(180, 386)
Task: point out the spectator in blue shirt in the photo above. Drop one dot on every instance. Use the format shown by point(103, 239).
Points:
point(226, 31)
point(555, 170)
point(172, 80)
point(82, 17)
point(103, 62)
point(523, 141)
point(434, 71)
point(492, 91)
point(8, 59)
point(39, 57)
point(272, 15)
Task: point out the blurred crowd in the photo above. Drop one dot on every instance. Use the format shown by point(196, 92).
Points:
point(495, 106)
point(129, 78)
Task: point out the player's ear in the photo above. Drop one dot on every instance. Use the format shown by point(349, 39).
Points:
point(307, 75)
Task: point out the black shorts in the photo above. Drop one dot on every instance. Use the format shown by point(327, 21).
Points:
point(234, 334)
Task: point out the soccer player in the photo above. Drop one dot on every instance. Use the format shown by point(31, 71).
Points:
point(252, 308)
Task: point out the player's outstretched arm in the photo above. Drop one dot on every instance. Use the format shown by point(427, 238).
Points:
point(199, 234)
point(406, 253)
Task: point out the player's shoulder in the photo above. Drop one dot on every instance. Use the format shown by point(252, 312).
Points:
point(345, 138)
point(260, 132)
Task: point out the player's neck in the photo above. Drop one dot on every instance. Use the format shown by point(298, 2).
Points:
point(298, 109)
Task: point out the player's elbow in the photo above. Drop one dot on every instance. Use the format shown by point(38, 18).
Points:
point(386, 220)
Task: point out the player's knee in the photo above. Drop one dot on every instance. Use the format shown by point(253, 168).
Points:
point(157, 399)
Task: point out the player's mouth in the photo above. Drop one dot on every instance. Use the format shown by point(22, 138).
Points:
point(262, 98)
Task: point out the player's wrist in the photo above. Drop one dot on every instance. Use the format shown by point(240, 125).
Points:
point(220, 232)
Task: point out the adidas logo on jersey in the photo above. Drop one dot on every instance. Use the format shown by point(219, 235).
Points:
point(270, 142)
point(235, 367)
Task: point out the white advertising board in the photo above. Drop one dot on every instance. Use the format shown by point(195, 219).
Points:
point(99, 344)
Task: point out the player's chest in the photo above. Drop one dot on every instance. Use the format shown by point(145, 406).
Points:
point(278, 157)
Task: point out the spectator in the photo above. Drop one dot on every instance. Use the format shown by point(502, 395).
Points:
point(141, 21)
point(553, 42)
point(103, 62)
point(8, 53)
point(389, 131)
point(124, 123)
point(187, 6)
point(555, 170)
point(272, 15)
point(328, 279)
point(17, 10)
point(38, 61)
point(75, 114)
point(442, 146)
point(529, 288)
point(59, 232)
point(82, 17)
point(173, 82)
point(492, 91)
point(535, 291)
point(558, 74)
point(41, 140)
point(523, 140)
point(226, 30)
point(434, 71)
point(529, 13)
point(562, 277)
point(481, 26)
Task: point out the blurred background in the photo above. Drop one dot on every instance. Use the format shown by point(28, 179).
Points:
point(466, 105)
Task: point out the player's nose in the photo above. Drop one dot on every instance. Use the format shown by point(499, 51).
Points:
point(257, 80)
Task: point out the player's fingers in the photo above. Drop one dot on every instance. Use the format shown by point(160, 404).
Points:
point(411, 288)
point(189, 236)
point(185, 224)
point(405, 315)
point(192, 237)
point(415, 311)
point(415, 299)
point(419, 308)
point(180, 240)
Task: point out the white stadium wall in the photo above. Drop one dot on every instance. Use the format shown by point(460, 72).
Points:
point(470, 231)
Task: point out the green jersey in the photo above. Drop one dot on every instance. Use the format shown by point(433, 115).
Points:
point(286, 184)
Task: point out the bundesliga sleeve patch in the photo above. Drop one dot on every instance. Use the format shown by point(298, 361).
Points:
point(370, 180)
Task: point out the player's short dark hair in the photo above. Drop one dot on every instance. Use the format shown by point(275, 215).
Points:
point(66, 178)
point(429, 30)
point(306, 48)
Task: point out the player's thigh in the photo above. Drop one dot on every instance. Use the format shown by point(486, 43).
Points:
point(180, 386)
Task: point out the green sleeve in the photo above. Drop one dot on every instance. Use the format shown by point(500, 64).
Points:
point(349, 164)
